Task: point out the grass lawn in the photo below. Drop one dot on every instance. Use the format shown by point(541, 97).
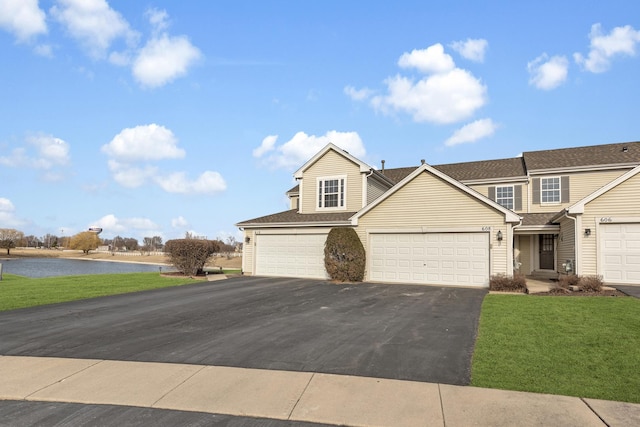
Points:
point(574, 346)
point(20, 292)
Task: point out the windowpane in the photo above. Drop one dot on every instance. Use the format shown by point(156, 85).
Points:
point(331, 193)
point(504, 196)
point(550, 190)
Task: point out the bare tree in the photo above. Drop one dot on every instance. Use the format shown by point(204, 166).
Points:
point(10, 238)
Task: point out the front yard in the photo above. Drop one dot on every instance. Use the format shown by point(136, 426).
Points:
point(575, 346)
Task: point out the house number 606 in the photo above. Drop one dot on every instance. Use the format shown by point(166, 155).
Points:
point(606, 219)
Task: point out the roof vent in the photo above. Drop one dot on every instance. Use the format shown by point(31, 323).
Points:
point(422, 161)
point(382, 161)
point(625, 149)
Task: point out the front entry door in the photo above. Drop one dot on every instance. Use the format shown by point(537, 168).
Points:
point(545, 248)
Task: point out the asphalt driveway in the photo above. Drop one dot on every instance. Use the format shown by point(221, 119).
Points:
point(375, 330)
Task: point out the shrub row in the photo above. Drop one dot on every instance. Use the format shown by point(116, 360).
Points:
point(584, 283)
point(504, 283)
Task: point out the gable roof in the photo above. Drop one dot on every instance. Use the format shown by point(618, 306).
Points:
point(578, 207)
point(510, 216)
point(595, 155)
point(485, 169)
point(330, 147)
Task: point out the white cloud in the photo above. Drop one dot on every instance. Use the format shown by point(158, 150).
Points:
point(302, 147)
point(471, 49)
point(472, 132)
point(145, 142)
point(441, 98)
point(179, 222)
point(112, 226)
point(357, 94)
point(266, 146)
point(548, 73)
point(7, 214)
point(163, 60)
point(42, 152)
point(447, 94)
point(94, 24)
point(131, 176)
point(159, 19)
point(429, 60)
point(604, 47)
point(23, 18)
point(207, 183)
point(45, 50)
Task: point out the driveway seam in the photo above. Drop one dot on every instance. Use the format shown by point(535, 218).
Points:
point(153, 405)
point(444, 419)
point(300, 397)
point(98, 361)
point(594, 412)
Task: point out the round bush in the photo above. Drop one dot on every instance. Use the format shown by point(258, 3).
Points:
point(344, 256)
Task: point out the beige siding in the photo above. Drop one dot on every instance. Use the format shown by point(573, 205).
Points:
point(247, 252)
point(581, 184)
point(429, 202)
point(375, 189)
point(566, 244)
point(621, 201)
point(484, 190)
point(293, 202)
point(331, 164)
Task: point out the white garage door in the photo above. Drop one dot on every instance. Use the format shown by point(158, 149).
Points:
point(431, 258)
point(291, 255)
point(620, 253)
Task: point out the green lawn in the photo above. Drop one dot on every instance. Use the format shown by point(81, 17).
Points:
point(575, 346)
point(20, 292)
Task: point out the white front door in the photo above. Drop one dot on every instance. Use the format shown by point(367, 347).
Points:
point(460, 259)
point(620, 253)
point(291, 255)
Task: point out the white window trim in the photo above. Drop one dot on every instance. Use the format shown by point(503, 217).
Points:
point(559, 178)
point(344, 193)
point(513, 196)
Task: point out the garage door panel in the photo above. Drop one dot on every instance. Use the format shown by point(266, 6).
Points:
point(291, 255)
point(620, 253)
point(431, 258)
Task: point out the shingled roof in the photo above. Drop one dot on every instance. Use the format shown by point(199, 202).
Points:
point(594, 155)
point(484, 169)
point(292, 216)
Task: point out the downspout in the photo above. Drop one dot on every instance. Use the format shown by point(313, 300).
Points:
point(576, 244)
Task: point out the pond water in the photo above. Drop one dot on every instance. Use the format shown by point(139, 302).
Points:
point(47, 267)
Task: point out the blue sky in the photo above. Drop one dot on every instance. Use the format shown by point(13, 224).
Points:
point(162, 117)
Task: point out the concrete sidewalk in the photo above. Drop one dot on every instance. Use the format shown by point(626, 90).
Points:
point(295, 396)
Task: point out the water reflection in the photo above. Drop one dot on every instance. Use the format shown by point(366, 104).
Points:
point(47, 267)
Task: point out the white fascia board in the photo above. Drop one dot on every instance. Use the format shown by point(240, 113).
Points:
point(578, 207)
point(363, 166)
point(510, 216)
point(495, 181)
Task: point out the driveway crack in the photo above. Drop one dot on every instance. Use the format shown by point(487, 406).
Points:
point(300, 397)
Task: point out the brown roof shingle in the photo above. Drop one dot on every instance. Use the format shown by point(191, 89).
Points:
point(594, 155)
point(292, 216)
point(532, 219)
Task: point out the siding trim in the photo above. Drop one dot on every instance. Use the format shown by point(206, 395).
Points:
point(535, 191)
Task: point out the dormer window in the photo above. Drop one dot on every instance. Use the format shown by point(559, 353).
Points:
point(332, 192)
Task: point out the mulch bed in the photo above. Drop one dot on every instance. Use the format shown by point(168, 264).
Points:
point(605, 293)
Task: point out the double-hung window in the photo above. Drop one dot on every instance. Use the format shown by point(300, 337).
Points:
point(331, 192)
point(550, 190)
point(504, 196)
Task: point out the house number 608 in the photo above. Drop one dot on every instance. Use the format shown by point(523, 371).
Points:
point(486, 228)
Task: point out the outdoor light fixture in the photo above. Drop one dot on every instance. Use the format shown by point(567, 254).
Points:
point(247, 239)
point(499, 235)
point(587, 232)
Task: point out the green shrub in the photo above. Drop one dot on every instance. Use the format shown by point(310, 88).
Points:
point(344, 256)
point(504, 283)
point(590, 283)
point(190, 255)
